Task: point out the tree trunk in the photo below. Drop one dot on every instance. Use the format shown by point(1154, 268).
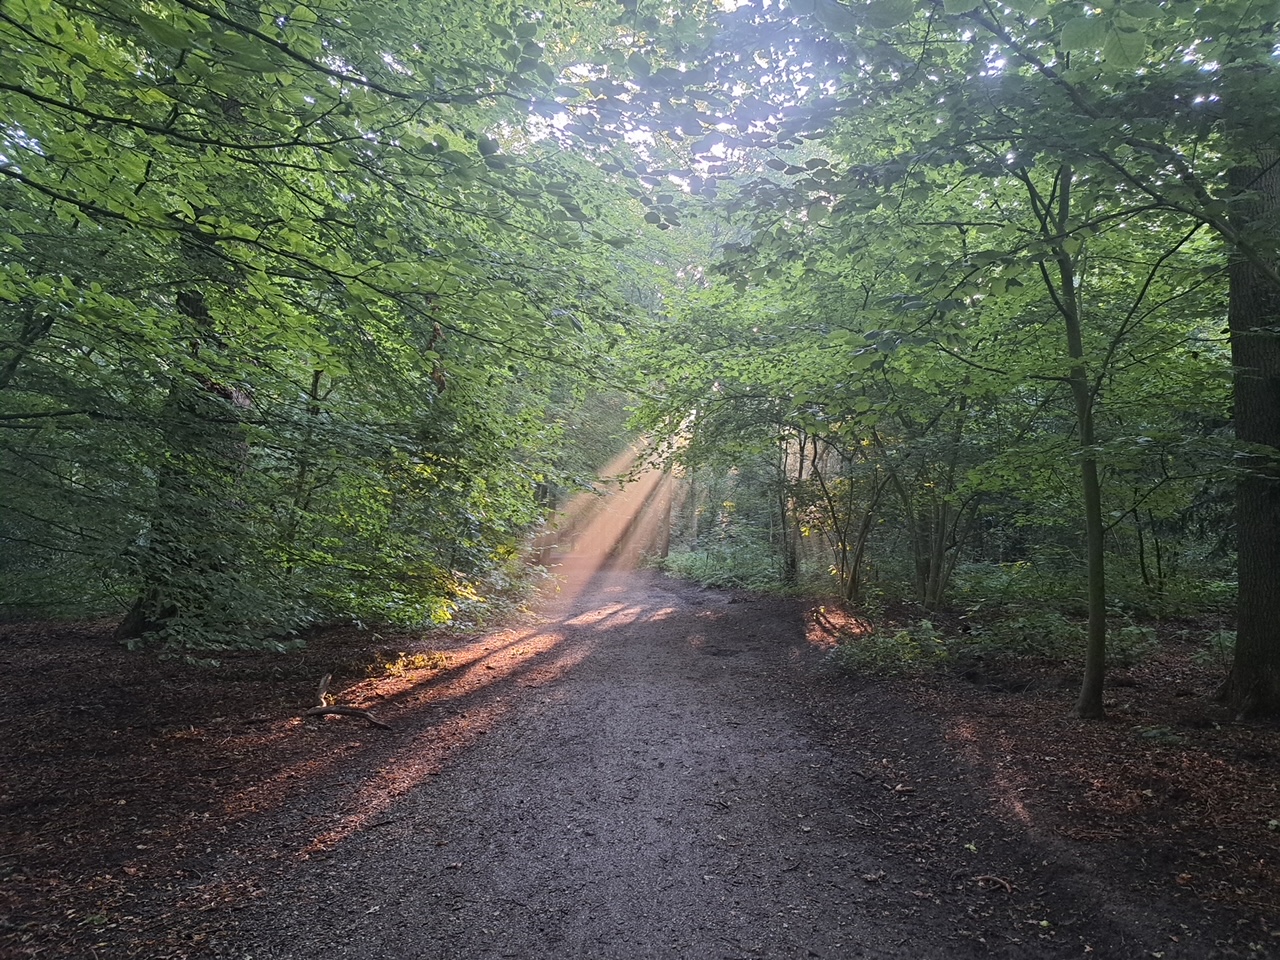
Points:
point(189, 564)
point(35, 326)
point(303, 489)
point(1142, 549)
point(1253, 687)
point(1158, 551)
point(668, 495)
point(787, 523)
point(1089, 705)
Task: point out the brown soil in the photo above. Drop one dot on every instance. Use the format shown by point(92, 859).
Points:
point(645, 769)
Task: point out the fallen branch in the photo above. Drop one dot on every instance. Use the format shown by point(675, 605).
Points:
point(323, 707)
point(1008, 887)
point(319, 711)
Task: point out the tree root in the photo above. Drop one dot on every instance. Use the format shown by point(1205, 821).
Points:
point(323, 707)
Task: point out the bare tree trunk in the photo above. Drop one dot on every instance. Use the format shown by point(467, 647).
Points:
point(668, 495)
point(1142, 548)
point(853, 590)
point(1253, 687)
point(192, 539)
point(786, 511)
point(1159, 552)
point(1089, 706)
point(303, 489)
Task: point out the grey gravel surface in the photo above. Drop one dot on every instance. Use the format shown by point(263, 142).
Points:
point(654, 784)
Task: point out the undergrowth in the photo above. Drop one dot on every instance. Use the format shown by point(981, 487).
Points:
point(1011, 610)
point(405, 662)
point(912, 649)
point(1024, 634)
point(739, 567)
point(1063, 590)
point(1218, 650)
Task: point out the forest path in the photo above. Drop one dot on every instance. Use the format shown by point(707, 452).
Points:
point(645, 776)
point(649, 793)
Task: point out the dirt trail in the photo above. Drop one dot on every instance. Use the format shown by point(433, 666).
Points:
point(649, 776)
point(647, 795)
point(645, 770)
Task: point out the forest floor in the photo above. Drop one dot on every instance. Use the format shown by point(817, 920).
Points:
point(642, 768)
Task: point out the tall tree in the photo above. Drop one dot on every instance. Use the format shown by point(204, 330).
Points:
point(311, 273)
point(1131, 93)
point(1254, 684)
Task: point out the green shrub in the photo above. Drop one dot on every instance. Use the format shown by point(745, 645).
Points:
point(1175, 596)
point(1030, 633)
point(1018, 584)
point(1192, 595)
point(1129, 644)
point(1049, 634)
point(1218, 650)
point(1059, 584)
point(912, 650)
point(726, 566)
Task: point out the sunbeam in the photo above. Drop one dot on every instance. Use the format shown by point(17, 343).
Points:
point(618, 528)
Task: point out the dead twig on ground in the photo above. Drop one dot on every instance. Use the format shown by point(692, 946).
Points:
point(323, 707)
point(1008, 887)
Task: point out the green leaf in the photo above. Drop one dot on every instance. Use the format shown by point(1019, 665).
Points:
point(163, 32)
point(958, 6)
point(836, 17)
point(1083, 33)
point(1124, 47)
point(1139, 10)
point(1035, 9)
point(884, 14)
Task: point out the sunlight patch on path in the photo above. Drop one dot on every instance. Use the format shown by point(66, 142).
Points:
point(610, 530)
point(488, 683)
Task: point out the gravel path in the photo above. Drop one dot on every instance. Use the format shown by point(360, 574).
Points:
point(660, 771)
point(644, 791)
